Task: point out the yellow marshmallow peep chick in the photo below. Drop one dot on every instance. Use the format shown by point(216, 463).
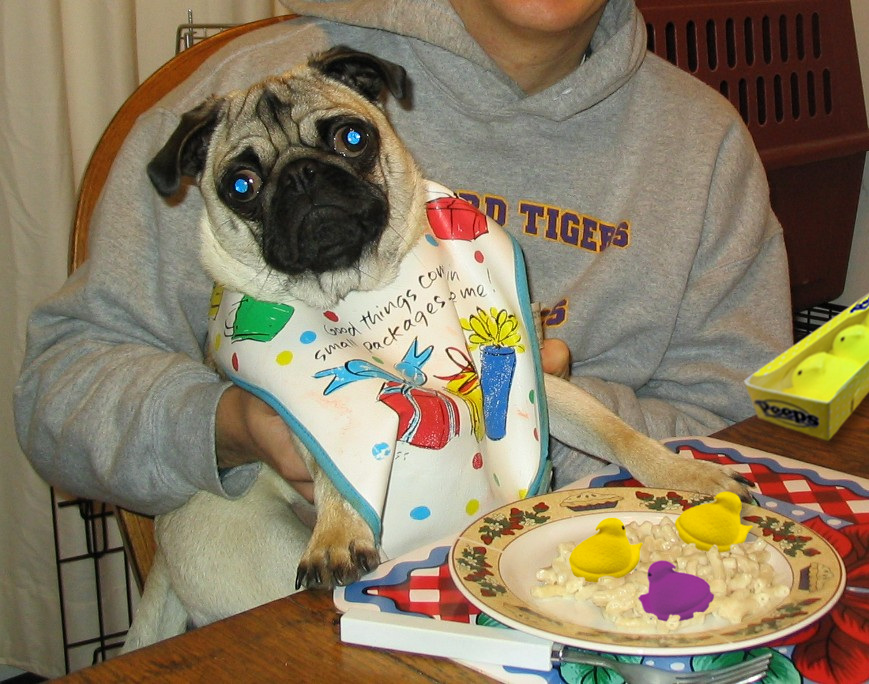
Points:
point(852, 343)
point(821, 375)
point(715, 523)
point(608, 552)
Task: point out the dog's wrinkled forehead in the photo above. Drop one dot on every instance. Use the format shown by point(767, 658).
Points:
point(282, 116)
point(279, 113)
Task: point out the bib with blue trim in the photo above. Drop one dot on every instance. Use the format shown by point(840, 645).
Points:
point(422, 401)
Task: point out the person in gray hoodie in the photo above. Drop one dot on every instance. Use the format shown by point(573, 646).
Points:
point(634, 190)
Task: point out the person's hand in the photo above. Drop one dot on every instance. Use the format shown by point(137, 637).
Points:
point(248, 429)
point(555, 357)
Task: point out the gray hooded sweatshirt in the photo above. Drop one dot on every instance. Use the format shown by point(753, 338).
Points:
point(634, 190)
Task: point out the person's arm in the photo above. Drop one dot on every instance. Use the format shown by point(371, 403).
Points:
point(734, 314)
point(114, 402)
point(248, 429)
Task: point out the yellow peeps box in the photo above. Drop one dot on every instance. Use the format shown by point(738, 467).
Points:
point(815, 385)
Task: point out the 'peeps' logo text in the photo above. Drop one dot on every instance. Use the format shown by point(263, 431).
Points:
point(862, 306)
point(789, 413)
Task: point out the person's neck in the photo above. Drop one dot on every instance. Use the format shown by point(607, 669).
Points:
point(534, 60)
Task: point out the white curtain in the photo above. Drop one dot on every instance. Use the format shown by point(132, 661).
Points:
point(65, 67)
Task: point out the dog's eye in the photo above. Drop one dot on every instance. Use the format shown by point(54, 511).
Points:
point(243, 185)
point(349, 140)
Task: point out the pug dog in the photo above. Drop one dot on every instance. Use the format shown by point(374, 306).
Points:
point(309, 195)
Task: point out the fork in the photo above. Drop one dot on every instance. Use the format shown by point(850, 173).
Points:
point(740, 673)
point(511, 647)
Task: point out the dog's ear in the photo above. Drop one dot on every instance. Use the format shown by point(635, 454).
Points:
point(365, 73)
point(185, 151)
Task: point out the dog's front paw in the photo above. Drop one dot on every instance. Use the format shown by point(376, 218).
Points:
point(325, 568)
point(701, 476)
point(341, 550)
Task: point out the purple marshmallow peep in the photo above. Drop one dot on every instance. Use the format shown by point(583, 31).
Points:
point(674, 593)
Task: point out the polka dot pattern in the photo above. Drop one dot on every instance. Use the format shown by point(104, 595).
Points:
point(420, 513)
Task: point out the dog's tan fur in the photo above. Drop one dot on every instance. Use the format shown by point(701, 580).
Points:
point(218, 557)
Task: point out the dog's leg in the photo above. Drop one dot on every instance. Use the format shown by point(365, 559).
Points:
point(342, 546)
point(226, 556)
point(159, 614)
point(582, 422)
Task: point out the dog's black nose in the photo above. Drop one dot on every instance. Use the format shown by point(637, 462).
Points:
point(301, 175)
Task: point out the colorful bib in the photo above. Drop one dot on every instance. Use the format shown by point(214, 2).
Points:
point(422, 401)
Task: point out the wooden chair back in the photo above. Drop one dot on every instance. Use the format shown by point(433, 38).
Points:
point(137, 531)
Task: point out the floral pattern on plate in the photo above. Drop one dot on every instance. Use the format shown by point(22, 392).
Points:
point(495, 559)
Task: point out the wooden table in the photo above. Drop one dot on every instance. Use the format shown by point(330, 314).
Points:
point(297, 638)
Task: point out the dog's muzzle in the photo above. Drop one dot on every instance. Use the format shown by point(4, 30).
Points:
point(321, 218)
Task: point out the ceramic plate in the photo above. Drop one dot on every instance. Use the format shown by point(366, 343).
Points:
point(495, 560)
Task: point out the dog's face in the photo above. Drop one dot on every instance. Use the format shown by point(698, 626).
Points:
point(309, 194)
